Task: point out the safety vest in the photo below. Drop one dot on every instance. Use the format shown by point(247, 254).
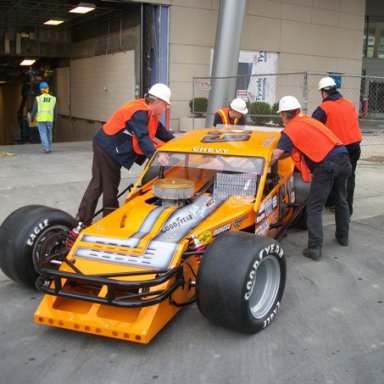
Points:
point(45, 107)
point(225, 119)
point(342, 120)
point(311, 138)
point(119, 119)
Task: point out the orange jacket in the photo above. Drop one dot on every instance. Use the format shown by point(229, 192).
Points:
point(342, 120)
point(224, 114)
point(118, 121)
point(311, 138)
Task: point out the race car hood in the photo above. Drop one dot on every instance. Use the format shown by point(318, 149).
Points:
point(151, 242)
point(227, 141)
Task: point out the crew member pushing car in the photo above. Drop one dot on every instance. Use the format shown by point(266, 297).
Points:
point(340, 116)
point(127, 137)
point(315, 149)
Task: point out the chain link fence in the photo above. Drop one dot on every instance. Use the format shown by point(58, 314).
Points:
point(262, 93)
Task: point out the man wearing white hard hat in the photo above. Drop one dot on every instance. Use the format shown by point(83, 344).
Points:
point(232, 115)
point(129, 136)
point(322, 160)
point(341, 117)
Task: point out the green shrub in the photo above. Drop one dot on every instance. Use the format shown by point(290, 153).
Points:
point(276, 119)
point(198, 106)
point(260, 112)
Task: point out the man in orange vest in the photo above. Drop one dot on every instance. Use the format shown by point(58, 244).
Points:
point(340, 116)
point(232, 115)
point(127, 137)
point(317, 151)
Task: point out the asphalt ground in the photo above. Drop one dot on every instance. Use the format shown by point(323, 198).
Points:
point(330, 327)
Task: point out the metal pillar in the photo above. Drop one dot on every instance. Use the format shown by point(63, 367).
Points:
point(226, 55)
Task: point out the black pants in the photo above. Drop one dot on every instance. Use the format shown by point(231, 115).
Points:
point(105, 180)
point(333, 172)
point(354, 152)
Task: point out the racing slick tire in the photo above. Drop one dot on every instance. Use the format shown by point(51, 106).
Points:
point(241, 281)
point(26, 234)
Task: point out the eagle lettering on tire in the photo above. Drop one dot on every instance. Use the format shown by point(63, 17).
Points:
point(241, 289)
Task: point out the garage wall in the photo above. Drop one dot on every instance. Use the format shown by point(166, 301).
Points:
point(89, 92)
point(99, 85)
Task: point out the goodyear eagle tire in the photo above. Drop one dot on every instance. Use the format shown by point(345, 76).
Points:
point(241, 281)
point(29, 234)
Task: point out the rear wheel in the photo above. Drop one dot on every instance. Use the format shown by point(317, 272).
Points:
point(29, 237)
point(241, 281)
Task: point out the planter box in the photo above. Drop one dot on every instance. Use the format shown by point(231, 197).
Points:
point(190, 123)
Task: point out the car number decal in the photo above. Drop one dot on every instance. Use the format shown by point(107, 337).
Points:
point(227, 136)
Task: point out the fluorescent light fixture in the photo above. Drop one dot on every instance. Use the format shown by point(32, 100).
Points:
point(83, 8)
point(54, 22)
point(2, 81)
point(27, 62)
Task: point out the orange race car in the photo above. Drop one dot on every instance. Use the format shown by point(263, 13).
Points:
point(203, 228)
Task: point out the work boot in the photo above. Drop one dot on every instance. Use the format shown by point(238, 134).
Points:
point(342, 240)
point(312, 253)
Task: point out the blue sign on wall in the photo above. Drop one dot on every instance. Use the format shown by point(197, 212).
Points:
point(337, 77)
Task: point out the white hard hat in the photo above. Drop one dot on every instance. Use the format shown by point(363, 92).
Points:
point(327, 83)
point(161, 91)
point(288, 103)
point(239, 105)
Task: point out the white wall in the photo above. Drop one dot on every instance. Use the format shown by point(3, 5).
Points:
point(99, 85)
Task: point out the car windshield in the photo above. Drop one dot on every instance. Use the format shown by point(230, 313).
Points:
point(229, 175)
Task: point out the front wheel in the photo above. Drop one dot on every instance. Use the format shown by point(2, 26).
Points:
point(29, 237)
point(241, 281)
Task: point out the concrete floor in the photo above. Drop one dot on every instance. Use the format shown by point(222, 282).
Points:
point(330, 328)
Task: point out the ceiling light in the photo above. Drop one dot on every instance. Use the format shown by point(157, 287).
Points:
point(54, 22)
point(83, 8)
point(27, 62)
point(2, 81)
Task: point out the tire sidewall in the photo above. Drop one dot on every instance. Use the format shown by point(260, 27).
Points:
point(22, 243)
point(272, 250)
point(226, 275)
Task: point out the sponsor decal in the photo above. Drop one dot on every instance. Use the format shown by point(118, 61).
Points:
point(35, 231)
point(262, 230)
point(222, 229)
point(268, 206)
point(268, 142)
point(122, 222)
point(275, 217)
point(260, 216)
point(274, 201)
point(177, 223)
point(238, 221)
point(205, 237)
point(210, 150)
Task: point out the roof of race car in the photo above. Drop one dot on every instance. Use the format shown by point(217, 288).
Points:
point(249, 141)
